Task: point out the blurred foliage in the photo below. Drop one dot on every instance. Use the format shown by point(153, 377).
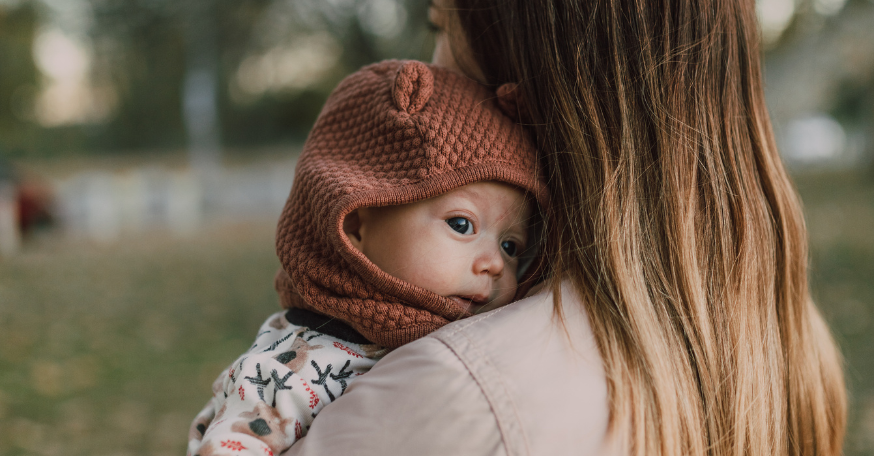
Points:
point(143, 48)
point(823, 63)
point(853, 103)
point(139, 47)
point(18, 75)
point(142, 51)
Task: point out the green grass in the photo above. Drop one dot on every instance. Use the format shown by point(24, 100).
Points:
point(839, 209)
point(112, 350)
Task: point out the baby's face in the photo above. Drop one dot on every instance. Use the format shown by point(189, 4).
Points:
point(463, 244)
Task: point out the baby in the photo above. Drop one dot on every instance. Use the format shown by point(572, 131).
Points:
point(411, 208)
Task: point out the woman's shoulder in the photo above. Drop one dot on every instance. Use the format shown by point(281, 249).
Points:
point(510, 381)
point(542, 376)
point(530, 325)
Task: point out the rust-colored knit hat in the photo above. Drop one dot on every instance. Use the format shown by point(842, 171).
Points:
point(392, 133)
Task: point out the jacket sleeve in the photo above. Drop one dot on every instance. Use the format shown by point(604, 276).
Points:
point(420, 399)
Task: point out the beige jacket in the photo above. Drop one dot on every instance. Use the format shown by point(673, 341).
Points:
point(508, 382)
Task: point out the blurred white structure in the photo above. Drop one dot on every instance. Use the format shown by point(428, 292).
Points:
point(812, 140)
point(774, 17)
point(10, 238)
point(104, 207)
point(804, 77)
point(200, 90)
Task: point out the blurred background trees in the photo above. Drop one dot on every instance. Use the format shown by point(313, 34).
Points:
point(19, 77)
point(119, 76)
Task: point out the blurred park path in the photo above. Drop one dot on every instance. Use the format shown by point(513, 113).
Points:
point(106, 206)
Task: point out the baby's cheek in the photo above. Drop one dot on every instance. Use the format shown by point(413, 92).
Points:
point(426, 272)
point(507, 292)
point(438, 280)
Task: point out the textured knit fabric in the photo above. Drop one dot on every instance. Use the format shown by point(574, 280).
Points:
point(392, 133)
point(267, 399)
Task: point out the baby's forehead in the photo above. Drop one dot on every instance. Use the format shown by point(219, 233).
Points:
point(491, 195)
point(487, 190)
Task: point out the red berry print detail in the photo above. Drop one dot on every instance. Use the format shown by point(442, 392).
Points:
point(233, 445)
point(231, 373)
point(242, 393)
point(347, 349)
point(298, 430)
point(314, 400)
point(268, 451)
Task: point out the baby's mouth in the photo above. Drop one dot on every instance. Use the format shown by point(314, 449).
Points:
point(470, 303)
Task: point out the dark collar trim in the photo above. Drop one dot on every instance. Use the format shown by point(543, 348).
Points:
point(325, 325)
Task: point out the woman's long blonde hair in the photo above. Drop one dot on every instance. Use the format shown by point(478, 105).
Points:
point(674, 218)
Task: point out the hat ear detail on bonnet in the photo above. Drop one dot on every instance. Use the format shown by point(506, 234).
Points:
point(512, 102)
point(413, 86)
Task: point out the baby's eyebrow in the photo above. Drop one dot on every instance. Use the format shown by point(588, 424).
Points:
point(465, 190)
point(469, 193)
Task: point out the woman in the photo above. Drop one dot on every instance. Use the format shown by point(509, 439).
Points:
point(681, 320)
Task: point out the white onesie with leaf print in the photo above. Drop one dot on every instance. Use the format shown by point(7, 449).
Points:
point(267, 399)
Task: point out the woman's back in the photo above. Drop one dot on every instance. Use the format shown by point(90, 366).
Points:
point(508, 382)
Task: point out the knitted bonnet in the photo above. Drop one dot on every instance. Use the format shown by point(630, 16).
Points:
point(392, 133)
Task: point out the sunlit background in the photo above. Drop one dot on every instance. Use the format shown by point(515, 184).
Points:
point(147, 147)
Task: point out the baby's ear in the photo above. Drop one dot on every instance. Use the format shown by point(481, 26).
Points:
point(413, 86)
point(352, 228)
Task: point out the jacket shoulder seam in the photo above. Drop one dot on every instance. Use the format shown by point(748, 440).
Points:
point(493, 388)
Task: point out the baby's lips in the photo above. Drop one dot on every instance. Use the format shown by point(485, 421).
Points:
point(480, 299)
point(470, 302)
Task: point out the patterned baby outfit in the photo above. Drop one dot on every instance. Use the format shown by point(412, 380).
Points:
point(267, 398)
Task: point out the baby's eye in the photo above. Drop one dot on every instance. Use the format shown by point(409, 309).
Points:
point(510, 248)
point(460, 225)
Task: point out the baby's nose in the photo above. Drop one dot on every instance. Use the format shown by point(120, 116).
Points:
point(489, 262)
